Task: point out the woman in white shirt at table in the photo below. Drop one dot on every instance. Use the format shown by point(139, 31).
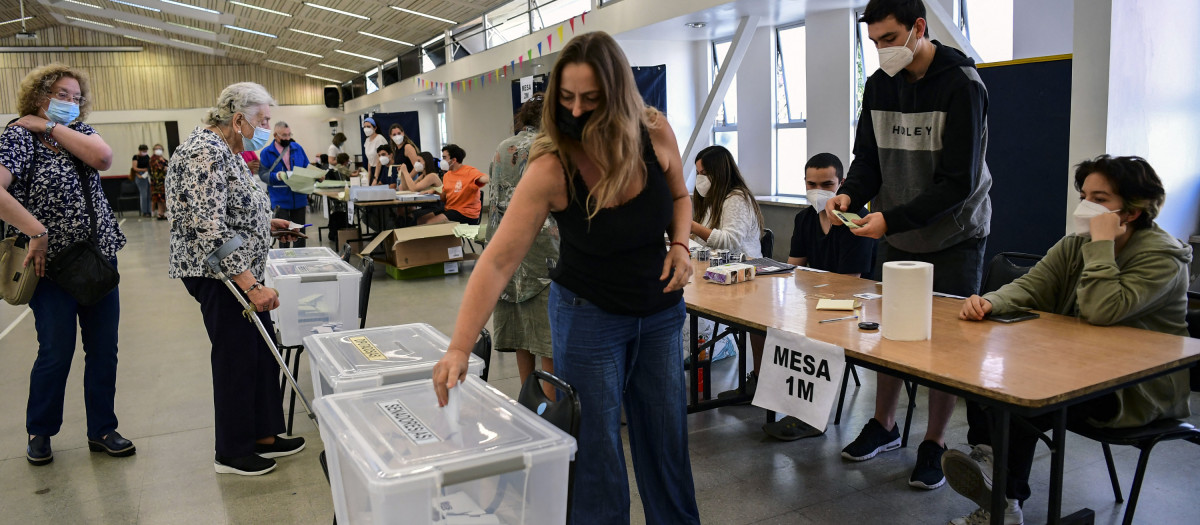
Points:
point(726, 215)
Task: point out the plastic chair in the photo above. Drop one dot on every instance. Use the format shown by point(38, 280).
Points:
point(129, 193)
point(1144, 438)
point(483, 350)
point(768, 243)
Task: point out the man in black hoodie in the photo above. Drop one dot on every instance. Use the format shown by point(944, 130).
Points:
point(919, 160)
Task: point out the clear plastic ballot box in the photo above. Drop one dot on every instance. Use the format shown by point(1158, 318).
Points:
point(301, 254)
point(311, 294)
point(372, 357)
point(395, 457)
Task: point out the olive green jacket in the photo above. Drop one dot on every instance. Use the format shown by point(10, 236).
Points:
point(1145, 286)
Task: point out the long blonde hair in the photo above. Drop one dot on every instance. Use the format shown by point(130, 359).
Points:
point(612, 137)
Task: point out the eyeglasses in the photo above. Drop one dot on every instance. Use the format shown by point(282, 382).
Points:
point(67, 97)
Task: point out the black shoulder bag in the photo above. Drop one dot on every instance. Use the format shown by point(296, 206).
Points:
point(81, 268)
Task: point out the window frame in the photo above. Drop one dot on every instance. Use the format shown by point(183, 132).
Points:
point(791, 123)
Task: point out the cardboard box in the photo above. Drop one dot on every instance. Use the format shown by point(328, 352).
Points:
point(345, 235)
point(419, 272)
point(731, 273)
point(418, 245)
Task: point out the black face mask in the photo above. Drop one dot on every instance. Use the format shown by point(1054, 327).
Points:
point(285, 142)
point(569, 124)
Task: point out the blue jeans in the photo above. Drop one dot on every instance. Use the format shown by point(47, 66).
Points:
point(143, 186)
point(54, 314)
point(613, 359)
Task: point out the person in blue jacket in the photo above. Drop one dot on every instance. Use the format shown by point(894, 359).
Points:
point(284, 155)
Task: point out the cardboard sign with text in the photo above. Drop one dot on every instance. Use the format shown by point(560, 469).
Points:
point(800, 377)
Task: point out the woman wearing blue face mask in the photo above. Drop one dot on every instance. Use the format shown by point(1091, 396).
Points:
point(49, 182)
point(212, 197)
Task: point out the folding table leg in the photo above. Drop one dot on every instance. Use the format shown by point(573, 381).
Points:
point(1000, 422)
point(1057, 456)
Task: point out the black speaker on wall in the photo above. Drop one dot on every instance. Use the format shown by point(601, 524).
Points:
point(333, 97)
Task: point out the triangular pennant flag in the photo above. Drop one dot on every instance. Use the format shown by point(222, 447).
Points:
point(505, 70)
point(521, 59)
point(583, 17)
point(470, 83)
point(572, 25)
point(560, 32)
point(539, 49)
point(531, 53)
point(549, 43)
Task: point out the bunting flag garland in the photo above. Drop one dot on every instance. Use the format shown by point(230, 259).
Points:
point(491, 77)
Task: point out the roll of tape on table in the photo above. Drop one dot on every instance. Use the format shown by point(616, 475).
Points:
point(907, 300)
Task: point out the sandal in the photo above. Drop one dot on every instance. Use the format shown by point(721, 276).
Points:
point(790, 429)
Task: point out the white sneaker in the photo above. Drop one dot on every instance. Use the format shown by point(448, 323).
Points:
point(1012, 516)
point(970, 474)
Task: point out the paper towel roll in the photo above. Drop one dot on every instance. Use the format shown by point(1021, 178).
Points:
point(907, 300)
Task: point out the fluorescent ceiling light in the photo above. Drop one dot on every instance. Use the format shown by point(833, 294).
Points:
point(181, 4)
point(137, 24)
point(299, 51)
point(339, 68)
point(192, 28)
point(338, 11)
point(139, 6)
point(383, 38)
point(191, 43)
point(90, 22)
point(251, 31)
point(85, 4)
point(272, 11)
point(411, 12)
point(365, 57)
point(16, 20)
point(434, 40)
point(244, 48)
point(316, 35)
point(323, 78)
point(285, 64)
point(70, 49)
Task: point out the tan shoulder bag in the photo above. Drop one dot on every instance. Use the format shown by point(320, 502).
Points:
point(16, 281)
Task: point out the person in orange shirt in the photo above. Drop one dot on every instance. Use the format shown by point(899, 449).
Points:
point(461, 187)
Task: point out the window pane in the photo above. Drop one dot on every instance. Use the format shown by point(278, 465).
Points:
point(792, 144)
point(727, 114)
point(550, 12)
point(791, 47)
point(991, 27)
point(866, 62)
point(373, 80)
point(729, 139)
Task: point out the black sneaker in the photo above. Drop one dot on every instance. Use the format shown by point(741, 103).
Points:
point(871, 441)
point(251, 465)
point(281, 447)
point(112, 444)
point(750, 388)
point(38, 452)
point(927, 474)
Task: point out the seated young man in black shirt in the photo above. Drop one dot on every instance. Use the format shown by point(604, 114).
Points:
point(815, 243)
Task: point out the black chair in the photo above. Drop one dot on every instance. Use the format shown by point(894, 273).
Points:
point(129, 193)
point(483, 350)
point(768, 243)
point(364, 287)
point(345, 255)
point(564, 413)
point(1144, 438)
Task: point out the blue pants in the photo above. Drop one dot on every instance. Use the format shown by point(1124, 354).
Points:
point(613, 360)
point(54, 314)
point(143, 186)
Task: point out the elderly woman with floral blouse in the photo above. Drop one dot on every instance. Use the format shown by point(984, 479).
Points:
point(212, 197)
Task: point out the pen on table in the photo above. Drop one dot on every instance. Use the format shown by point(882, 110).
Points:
point(838, 319)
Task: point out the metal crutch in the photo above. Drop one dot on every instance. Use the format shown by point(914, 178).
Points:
point(213, 261)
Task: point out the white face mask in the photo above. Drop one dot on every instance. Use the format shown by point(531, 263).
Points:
point(818, 198)
point(418, 166)
point(368, 131)
point(158, 152)
point(893, 59)
point(398, 138)
point(384, 160)
point(1083, 216)
point(703, 184)
point(444, 165)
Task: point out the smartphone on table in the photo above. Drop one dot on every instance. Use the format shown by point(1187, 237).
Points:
point(1012, 317)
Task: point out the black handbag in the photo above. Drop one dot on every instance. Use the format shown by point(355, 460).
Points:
point(81, 269)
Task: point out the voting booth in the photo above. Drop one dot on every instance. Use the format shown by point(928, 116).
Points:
point(311, 294)
point(396, 457)
point(373, 357)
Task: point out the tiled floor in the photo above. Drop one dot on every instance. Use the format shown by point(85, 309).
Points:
point(164, 402)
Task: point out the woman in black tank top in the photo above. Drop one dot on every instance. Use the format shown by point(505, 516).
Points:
point(609, 170)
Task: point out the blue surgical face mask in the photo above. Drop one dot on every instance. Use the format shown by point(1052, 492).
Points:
point(62, 112)
point(262, 137)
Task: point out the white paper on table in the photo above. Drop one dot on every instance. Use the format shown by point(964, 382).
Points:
point(800, 377)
